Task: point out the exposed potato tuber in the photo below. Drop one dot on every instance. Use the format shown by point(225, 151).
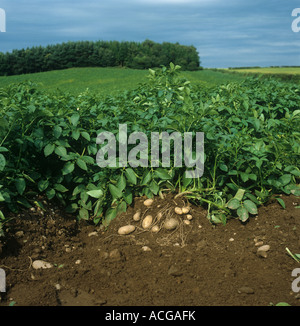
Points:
point(178, 210)
point(147, 221)
point(155, 229)
point(148, 202)
point(171, 224)
point(137, 216)
point(185, 210)
point(126, 229)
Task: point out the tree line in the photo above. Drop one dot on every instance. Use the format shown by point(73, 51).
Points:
point(147, 54)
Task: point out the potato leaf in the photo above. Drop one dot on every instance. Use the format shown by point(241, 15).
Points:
point(240, 194)
point(162, 174)
point(85, 135)
point(68, 168)
point(131, 177)
point(2, 162)
point(281, 202)
point(43, 185)
point(146, 179)
point(121, 184)
point(243, 214)
point(95, 193)
point(49, 149)
point(250, 206)
point(61, 151)
point(74, 119)
point(115, 192)
point(84, 214)
point(57, 131)
point(110, 214)
point(233, 203)
point(20, 185)
point(81, 164)
point(122, 207)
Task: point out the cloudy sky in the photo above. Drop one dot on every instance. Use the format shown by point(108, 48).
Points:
point(227, 33)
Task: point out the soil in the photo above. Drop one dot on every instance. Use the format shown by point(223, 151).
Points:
point(194, 265)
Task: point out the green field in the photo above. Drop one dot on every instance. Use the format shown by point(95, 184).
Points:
point(77, 80)
point(270, 70)
point(209, 77)
point(104, 81)
point(109, 80)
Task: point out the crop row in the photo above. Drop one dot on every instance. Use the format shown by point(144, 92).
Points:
point(48, 145)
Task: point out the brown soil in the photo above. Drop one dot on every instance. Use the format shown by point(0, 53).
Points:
point(195, 265)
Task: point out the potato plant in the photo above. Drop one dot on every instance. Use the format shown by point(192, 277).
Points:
point(48, 145)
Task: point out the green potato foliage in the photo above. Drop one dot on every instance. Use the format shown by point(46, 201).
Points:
point(48, 145)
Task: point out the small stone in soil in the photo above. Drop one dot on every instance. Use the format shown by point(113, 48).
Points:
point(262, 251)
point(246, 290)
point(174, 271)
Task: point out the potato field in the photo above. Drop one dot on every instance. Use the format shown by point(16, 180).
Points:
point(75, 233)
